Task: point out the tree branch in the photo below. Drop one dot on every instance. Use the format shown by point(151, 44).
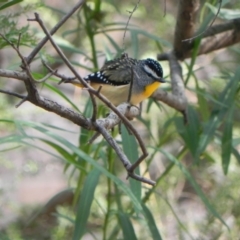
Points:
point(214, 38)
point(185, 26)
point(218, 41)
point(223, 27)
point(177, 99)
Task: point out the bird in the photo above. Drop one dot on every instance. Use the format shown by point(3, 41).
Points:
point(126, 79)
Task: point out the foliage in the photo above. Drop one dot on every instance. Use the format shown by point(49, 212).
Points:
point(10, 27)
point(107, 206)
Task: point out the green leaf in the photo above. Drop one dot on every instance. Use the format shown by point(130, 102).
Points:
point(151, 223)
point(203, 104)
point(65, 154)
point(190, 132)
point(113, 43)
point(3, 236)
point(85, 202)
point(58, 92)
point(130, 148)
point(68, 46)
point(135, 43)
point(9, 4)
point(150, 36)
point(32, 124)
point(196, 45)
point(227, 140)
point(224, 13)
point(81, 154)
point(11, 138)
point(127, 227)
point(196, 187)
point(42, 149)
point(84, 133)
point(9, 149)
point(227, 99)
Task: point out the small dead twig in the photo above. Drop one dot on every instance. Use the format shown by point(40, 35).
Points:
point(93, 138)
point(13, 94)
point(22, 101)
point(55, 73)
point(129, 18)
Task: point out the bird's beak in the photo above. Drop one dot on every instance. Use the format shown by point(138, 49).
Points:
point(160, 80)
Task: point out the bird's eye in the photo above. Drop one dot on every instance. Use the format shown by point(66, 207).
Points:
point(149, 74)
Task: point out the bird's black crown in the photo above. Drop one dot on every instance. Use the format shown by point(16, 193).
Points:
point(155, 66)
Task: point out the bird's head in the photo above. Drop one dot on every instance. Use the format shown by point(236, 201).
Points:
point(153, 70)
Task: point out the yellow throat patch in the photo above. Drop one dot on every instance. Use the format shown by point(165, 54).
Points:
point(151, 88)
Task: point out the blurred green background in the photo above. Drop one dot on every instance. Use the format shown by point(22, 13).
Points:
point(54, 185)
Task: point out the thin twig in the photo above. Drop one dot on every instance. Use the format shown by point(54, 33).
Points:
point(59, 51)
point(44, 79)
point(13, 94)
point(205, 30)
point(93, 138)
point(21, 102)
point(218, 41)
point(126, 163)
point(223, 27)
point(130, 16)
point(19, 39)
point(25, 66)
point(24, 98)
point(141, 179)
point(55, 73)
point(54, 29)
point(131, 84)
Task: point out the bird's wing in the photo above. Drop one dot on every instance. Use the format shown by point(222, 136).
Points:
point(116, 72)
